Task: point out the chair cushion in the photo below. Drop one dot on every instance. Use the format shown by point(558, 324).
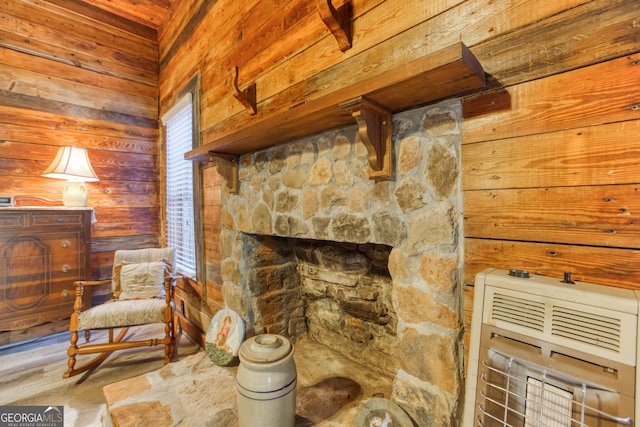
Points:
point(143, 280)
point(118, 313)
point(137, 256)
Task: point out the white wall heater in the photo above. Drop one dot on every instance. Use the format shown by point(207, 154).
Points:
point(546, 352)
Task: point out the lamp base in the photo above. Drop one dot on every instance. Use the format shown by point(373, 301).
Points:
point(75, 194)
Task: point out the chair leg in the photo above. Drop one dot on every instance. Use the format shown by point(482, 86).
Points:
point(176, 325)
point(71, 352)
point(169, 339)
point(74, 350)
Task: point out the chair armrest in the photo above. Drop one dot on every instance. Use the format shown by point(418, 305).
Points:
point(92, 282)
point(78, 304)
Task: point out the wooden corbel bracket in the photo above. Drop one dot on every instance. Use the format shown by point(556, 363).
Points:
point(375, 127)
point(227, 165)
point(338, 21)
point(246, 97)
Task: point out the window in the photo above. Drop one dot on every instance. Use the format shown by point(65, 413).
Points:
point(180, 212)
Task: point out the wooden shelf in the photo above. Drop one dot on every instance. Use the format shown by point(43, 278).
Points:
point(448, 72)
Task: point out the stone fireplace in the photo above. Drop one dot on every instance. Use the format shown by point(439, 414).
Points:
point(311, 246)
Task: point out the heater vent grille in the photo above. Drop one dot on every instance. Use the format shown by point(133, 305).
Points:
point(583, 319)
point(593, 329)
point(518, 311)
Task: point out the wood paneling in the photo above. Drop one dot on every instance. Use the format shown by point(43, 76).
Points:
point(575, 37)
point(72, 74)
point(594, 215)
point(141, 26)
point(605, 154)
point(148, 13)
point(550, 157)
point(556, 165)
point(602, 93)
point(49, 31)
point(607, 266)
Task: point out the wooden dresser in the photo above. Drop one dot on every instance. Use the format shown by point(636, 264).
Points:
point(43, 251)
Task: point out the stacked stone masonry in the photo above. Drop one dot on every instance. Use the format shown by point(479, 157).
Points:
point(318, 188)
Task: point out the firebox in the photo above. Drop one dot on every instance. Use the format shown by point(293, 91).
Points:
point(339, 294)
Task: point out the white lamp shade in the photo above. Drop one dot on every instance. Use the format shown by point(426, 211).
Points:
point(71, 163)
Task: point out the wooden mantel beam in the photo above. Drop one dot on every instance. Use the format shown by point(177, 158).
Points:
point(448, 72)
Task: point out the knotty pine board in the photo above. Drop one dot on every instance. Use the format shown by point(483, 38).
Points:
point(94, 46)
point(607, 266)
point(101, 193)
point(24, 139)
point(108, 18)
point(145, 12)
point(586, 34)
point(39, 86)
point(115, 221)
point(595, 155)
point(598, 215)
point(171, 30)
point(602, 93)
point(22, 165)
point(129, 91)
point(52, 127)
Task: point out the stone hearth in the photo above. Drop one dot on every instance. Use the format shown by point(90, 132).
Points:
point(195, 392)
point(318, 189)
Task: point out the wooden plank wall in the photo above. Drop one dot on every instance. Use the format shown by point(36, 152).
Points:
point(550, 154)
point(89, 80)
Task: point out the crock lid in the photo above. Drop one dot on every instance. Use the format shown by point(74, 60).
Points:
point(265, 348)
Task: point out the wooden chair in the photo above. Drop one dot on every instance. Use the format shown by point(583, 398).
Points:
point(142, 287)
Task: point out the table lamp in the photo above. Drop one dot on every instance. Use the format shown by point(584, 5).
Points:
point(72, 164)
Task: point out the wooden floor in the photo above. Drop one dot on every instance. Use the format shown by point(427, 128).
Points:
point(31, 373)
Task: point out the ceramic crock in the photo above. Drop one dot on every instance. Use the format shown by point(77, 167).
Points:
point(266, 382)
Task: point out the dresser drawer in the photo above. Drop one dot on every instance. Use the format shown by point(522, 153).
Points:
point(63, 243)
point(13, 221)
point(26, 244)
point(39, 219)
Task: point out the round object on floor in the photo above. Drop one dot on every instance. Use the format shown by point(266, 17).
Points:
point(224, 336)
point(380, 412)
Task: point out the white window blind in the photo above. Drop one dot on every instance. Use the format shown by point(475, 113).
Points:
point(179, 186)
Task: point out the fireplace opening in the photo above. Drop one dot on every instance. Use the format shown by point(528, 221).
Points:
point(338, 294)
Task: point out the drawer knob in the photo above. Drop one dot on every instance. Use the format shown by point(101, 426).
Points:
point(65, 244)
point(60, 219)
point(65, 293)
point(66, 268)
